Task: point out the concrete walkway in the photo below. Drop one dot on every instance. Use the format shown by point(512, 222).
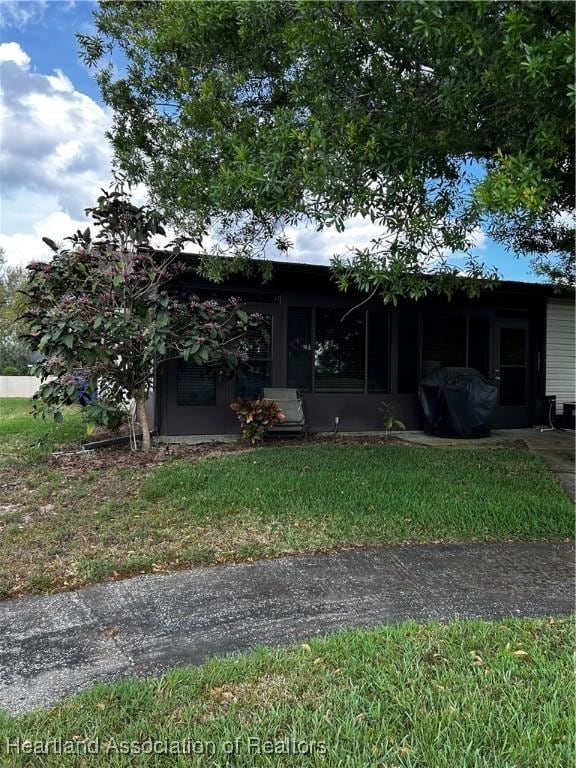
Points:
point(54, 646)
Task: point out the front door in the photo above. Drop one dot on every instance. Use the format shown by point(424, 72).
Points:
point(511, 372)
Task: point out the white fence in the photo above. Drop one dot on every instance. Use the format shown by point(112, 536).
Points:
point(18, 386)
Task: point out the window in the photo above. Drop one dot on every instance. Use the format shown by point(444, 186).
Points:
point(378, 358)
point(257, 344)
point(408, 353)
point(339, 351)
point(444, 340)
point(195, 384)
point(300, 348)
point(328, 352)
point(479, 344)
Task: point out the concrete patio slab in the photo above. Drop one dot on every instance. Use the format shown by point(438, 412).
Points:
point(52, 647)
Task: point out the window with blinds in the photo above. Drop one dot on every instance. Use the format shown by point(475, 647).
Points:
point(339, 351)
point(195, 384)
point(444, 339)
point(257, 373)
point(336, 353)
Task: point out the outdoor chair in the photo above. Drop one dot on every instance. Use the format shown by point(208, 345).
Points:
point(292, 406)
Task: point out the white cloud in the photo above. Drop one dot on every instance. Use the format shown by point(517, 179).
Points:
point(54, 154)
point(13, 52)
point(22, 248)
point(18, 14)
point(312, 247)
point(479, 239)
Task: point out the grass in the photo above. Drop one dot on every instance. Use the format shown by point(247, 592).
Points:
point(468, 694)
point(379, 493)
point(65, 527)
point(25, 439)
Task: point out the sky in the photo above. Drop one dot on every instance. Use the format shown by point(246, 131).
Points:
point(55, 156)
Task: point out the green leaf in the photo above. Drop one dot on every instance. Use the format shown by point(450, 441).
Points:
point(51, 244)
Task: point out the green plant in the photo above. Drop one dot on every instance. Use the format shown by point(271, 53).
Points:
point(256, 417)
point(103, 316)
point(102, 413)
point(10, 370)
point(389, 418)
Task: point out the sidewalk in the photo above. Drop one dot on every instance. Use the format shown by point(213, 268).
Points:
point(55, 646)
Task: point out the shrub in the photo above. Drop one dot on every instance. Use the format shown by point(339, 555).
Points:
point(389, 418)
point(10, 370)
point(100, 413)
point(256, 417)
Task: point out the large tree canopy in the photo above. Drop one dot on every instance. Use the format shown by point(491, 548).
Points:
point(427, 118)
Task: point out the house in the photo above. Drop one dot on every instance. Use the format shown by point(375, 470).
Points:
point(520, 334)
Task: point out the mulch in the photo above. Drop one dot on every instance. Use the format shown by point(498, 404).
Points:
point(120, 456)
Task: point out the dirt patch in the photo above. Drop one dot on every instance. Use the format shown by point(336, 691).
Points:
point(71, 457)
point(266, 692)
point(118, 457)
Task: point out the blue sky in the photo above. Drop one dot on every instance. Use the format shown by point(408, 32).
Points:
point(54, 153)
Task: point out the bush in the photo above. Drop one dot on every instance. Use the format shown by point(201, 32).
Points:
point(256, 417)
point(10, 370)
point(100, 413)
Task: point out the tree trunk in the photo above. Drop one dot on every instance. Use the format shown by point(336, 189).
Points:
point(142, 417)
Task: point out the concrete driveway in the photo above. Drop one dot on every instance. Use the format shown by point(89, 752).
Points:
point(51, 647)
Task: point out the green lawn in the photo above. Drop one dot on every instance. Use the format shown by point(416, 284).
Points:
point(379, 493)
point(23, 438)
point(463, 695)
point(64, 526)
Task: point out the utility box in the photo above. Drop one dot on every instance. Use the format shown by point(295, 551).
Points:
point(569, 416)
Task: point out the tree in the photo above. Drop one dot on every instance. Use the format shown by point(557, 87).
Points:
point(13, 352)
point(103, 314)
point(427, 118)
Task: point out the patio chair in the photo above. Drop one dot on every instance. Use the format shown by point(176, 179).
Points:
point(292, 406)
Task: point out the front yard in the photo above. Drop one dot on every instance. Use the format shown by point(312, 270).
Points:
point(73, 520)
point(479, 694)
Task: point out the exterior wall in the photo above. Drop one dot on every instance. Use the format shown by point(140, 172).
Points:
point(560, 351)
point(510, 305)
point(18, 386)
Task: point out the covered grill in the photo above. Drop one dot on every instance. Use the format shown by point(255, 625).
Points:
point(457, 402)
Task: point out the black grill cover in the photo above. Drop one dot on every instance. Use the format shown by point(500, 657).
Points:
point(457, 402)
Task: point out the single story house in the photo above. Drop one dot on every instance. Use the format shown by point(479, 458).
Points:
point(519, 334)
